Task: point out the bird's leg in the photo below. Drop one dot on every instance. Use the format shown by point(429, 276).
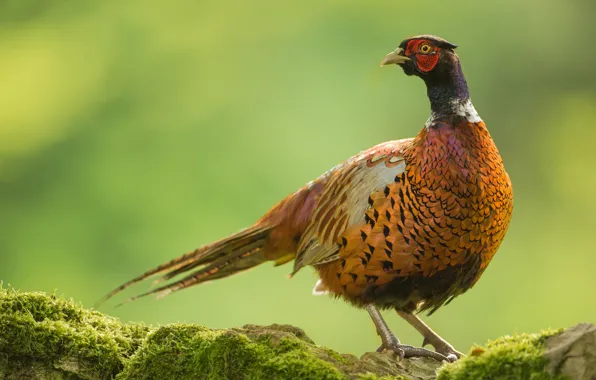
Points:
point(431, 337)
point(390, 342)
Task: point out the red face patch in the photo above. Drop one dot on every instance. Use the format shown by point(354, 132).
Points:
point(427, 54)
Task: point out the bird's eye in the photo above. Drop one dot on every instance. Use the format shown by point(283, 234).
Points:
point(425, 48)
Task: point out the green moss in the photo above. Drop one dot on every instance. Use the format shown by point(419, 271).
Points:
point(512, 357)
point(182, 351)
point(37, 330)
point(45, 337)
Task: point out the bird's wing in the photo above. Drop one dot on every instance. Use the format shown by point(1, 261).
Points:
point(345, 199)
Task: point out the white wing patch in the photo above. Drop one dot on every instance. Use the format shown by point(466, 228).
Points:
point(365, 183)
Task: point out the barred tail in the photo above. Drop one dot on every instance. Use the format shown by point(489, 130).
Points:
point(222, 258)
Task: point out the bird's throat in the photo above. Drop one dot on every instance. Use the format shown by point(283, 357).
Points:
point(447, 90)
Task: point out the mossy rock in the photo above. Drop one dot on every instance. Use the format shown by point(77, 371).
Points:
point(45, 337)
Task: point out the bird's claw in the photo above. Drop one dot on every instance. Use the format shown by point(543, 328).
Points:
point(445, 349)
point(407, 351)
point(394, 346)
point(398, 351)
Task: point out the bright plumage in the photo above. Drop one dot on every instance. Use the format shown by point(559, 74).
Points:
point(407, 224)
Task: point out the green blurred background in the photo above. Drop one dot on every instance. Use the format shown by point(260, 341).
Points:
point(134, 131)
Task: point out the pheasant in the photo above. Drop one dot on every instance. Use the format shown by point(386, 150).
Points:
point(406, 225)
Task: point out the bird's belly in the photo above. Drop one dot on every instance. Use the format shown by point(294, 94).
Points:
point(410, 292)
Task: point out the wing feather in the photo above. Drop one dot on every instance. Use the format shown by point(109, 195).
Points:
point(345, 199)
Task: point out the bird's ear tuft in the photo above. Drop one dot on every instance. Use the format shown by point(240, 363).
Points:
point(446, 44)
point(452, 46)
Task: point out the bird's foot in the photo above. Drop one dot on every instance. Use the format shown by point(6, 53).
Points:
point(407, 351)
point(430, 337)
point(444, 348)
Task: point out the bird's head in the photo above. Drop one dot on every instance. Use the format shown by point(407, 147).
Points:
point(425, 56)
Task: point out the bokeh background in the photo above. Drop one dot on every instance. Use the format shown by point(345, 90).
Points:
point(134, 131)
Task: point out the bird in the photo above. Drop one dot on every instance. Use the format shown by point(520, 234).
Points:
point(406, 225)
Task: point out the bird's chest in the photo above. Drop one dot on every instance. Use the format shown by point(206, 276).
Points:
point(463, 197)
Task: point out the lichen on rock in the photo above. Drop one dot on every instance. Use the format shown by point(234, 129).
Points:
point(46, 337)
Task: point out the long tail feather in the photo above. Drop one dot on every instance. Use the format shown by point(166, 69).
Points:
point(223, 258)
point(234, 253)
point(224, 268)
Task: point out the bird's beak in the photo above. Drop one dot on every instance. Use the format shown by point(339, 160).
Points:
point(394, 58)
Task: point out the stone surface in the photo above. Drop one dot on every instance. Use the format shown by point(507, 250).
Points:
point(573, 353)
